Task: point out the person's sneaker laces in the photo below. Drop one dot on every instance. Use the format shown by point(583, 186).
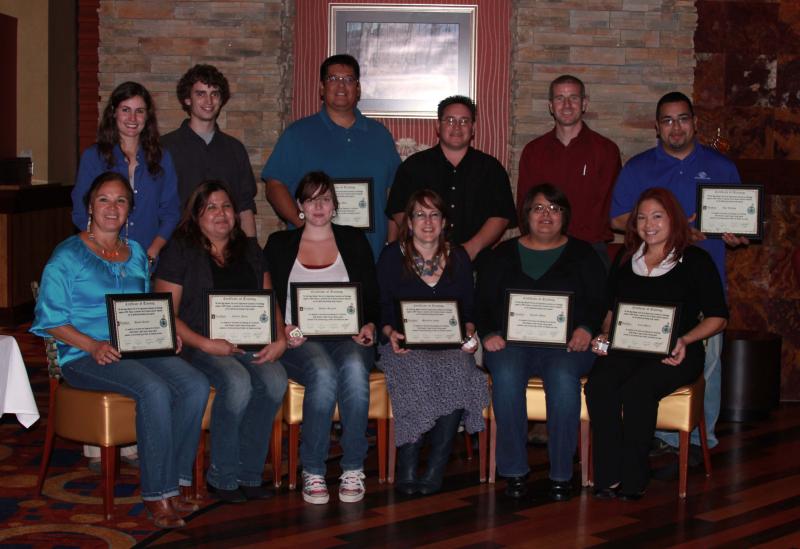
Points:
point(351, 486)
point(314, 489)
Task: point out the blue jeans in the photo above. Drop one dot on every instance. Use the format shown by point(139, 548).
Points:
point(712, 372)
point(332, 371)
point(561, 373)
point(170, 397)
point(248, 396)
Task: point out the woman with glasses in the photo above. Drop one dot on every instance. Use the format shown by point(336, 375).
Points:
point(429, 389)
point(543, 259)
point(331, 370)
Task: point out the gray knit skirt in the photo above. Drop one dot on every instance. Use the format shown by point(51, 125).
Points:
point(426, 385)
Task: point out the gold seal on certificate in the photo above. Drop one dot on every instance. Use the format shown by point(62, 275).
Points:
point(735, 209)
point(322, 309)
point(141, 325)
point(538, 318)
point(245, 319)
point(431, 323)
point(647, 328)
point(356, 204)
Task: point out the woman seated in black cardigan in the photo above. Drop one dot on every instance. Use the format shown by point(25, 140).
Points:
point(544, 258)
point(331, 370)
point(658, 265)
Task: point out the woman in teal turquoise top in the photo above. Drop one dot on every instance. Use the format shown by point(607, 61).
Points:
point(170, 395)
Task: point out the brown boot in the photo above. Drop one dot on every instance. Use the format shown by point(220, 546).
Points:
point(163, 514)
point(182, 503)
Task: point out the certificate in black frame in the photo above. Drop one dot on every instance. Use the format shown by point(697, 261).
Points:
point(532, 343)
point(296, 287)
point(370, 205)
point(676, 313)
point(166, 321)
point(242, 344)
point(406, 344)
point(758, 235)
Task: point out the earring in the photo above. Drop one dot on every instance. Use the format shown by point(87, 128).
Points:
point(89, 224)
point(301, 215)
point(126, 232)
point(333, 214)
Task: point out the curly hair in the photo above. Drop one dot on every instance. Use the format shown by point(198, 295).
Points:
point(208, 75)
point(108, 133)
point(189, 227)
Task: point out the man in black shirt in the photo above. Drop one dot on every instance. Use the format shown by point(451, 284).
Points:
point(200, 150)
point(474, 185)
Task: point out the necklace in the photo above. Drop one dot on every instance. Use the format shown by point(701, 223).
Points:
point(426, 267)
point(107, 254)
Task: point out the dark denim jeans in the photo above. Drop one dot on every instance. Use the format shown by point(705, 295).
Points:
point(561, 372)
point(170, 400)
point(332, 371)
point(248, 396)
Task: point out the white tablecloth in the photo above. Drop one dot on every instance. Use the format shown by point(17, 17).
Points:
point(16, 396)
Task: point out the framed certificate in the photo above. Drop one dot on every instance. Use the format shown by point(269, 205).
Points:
point(327, 310)
point(644, 328)
point(356, 203)
point(543, 319)
point(142, 325)
point(736, 209)
point(246, 319)
point(430, 323)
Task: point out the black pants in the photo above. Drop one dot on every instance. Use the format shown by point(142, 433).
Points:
point(622, 384)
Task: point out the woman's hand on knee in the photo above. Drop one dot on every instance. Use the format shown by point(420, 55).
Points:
point(221, 347)
point(494, 343)
point(104, 353)
point(395, 338)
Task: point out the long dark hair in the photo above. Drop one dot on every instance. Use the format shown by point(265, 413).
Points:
point(189, 227)
point(679, 235)
point(428, 199)
point(108, 134)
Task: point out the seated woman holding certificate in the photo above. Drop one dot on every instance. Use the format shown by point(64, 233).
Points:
point(334, 368)
point(658, 266)
point(553, 343)
point(170, 395)
point(211, 252)
point(429, 389)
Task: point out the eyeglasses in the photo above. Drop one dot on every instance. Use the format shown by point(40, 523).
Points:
point(346, 80)
point(453, 121)
point(552, 209)
point(683, 120)
point(320, 200)
point(421, 216)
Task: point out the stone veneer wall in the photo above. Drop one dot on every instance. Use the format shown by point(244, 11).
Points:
point(627, 52)
point(155, 42)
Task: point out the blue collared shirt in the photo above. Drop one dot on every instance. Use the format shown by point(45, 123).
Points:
point(156, 206)
point(316, 143)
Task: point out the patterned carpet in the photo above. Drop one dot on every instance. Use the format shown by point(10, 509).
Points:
point(69, 512)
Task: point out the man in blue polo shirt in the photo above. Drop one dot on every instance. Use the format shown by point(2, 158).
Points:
point(338, 140)
point(679, 163)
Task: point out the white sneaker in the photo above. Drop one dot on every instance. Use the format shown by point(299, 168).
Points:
point(314, 489)
point(351, 486)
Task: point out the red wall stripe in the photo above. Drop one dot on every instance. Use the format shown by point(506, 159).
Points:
point(493, 89)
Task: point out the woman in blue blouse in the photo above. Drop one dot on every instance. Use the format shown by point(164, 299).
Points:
point(170, 395)
point(127, 143)
point(430, 389)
